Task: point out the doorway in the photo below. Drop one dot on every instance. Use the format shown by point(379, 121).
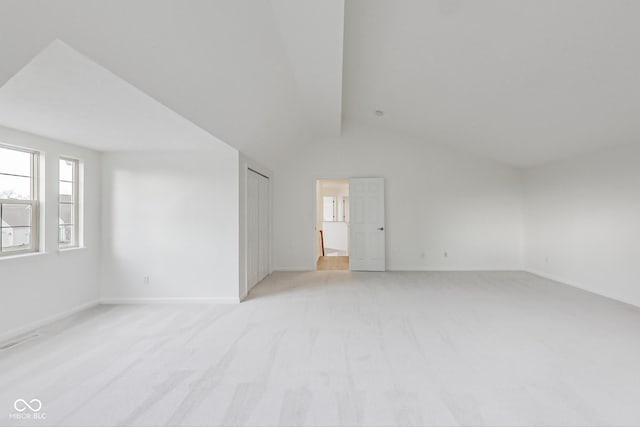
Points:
point(332, 224)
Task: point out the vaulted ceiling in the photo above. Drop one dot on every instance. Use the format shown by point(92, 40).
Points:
point(523, 83)
point(222, 65)
point(64, 95)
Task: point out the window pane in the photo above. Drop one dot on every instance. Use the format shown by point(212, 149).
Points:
point(15, 162)
point(16, 239)
point(65, 235)
point(16, 215)
point(66, 214)
point(66, 192)
point(15, 187)
point(329, 208)
point(66, 170)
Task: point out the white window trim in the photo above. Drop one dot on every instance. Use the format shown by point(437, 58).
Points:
point(34, 202)
point(75, 244)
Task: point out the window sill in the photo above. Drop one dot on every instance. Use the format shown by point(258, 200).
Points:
point(73, 249)
point(25, 255)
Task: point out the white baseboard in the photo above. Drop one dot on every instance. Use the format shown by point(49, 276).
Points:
point(426, 270)
point(455, 270)
point(50, 319)
point(178, 300)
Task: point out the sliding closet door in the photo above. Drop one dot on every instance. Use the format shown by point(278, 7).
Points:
point(264, 228)
point(258, 230)
point(253, 228)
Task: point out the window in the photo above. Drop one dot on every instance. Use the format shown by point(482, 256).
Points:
point(329, 208)
point(18, 201)
point(68, 203)
point(343, 209)
point(335, 209)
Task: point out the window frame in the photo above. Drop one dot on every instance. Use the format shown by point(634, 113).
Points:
point(334, 210)
point(34, 202)
point(75, 188)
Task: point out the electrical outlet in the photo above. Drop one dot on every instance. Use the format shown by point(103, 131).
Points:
point(446, 254)
point(546, 260)
point(145, 280)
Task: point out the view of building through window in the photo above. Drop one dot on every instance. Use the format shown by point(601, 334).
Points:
point(18, 204)
point(68, 203)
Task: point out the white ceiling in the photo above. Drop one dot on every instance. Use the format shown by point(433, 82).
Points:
point(222, 65)
point(66, 96)
point(523, 82)
point(312, 32)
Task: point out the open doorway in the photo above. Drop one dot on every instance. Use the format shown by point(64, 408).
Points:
point(332, 224)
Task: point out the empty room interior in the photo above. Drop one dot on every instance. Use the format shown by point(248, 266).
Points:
point(319, 213)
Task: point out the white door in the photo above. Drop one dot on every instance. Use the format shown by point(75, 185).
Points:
point(366, 212)
point(263, 242)
point(253, 228)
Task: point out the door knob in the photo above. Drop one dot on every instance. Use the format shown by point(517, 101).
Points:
point(381, 228)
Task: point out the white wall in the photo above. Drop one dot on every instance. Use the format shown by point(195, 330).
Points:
point(336, 236)
point(37, 288)
point(172, 216)
point(437, 200)
point(582, 224)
